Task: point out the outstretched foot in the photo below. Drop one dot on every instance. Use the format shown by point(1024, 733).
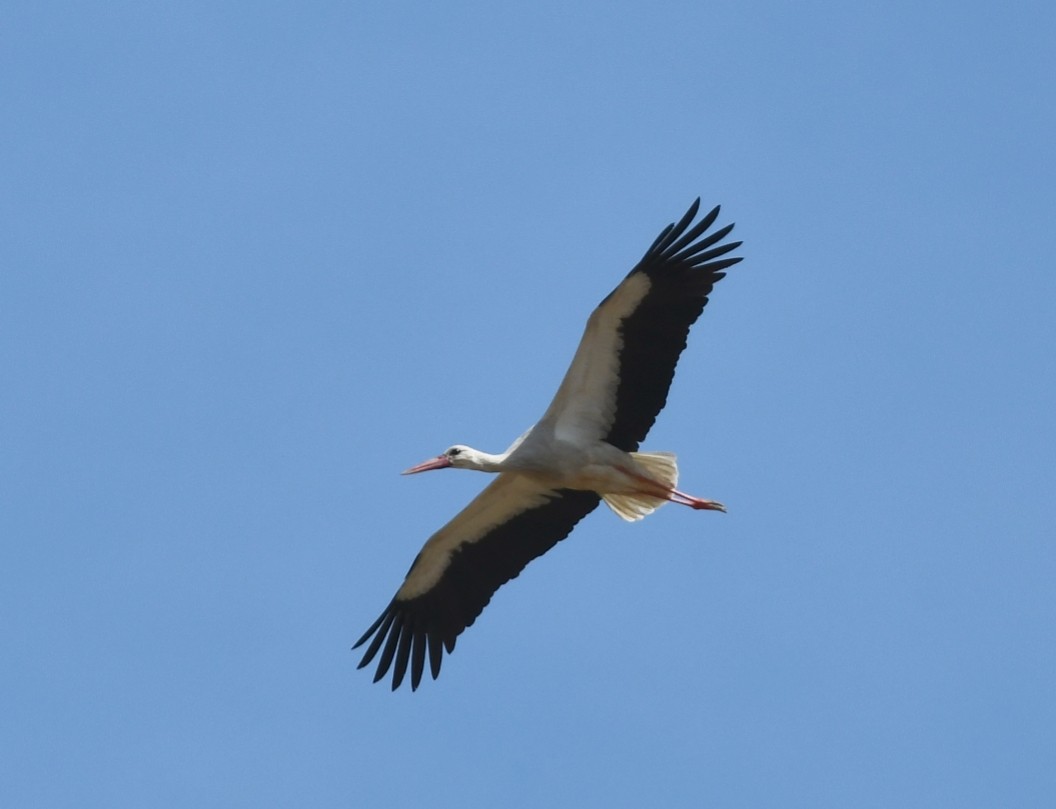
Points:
point(695, 503)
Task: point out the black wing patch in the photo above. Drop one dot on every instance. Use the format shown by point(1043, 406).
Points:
point(682, 265)
point(431, 622)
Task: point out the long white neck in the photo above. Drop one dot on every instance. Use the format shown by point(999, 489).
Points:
point(481, 461)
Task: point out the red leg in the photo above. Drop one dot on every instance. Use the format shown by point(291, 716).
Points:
point(656, 489)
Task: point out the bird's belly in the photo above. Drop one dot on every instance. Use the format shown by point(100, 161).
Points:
point(600, 468)
point(600, 478)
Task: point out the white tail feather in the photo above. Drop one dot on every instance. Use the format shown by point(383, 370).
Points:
point(661, 467)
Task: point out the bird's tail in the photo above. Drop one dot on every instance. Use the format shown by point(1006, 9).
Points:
point(661, 467)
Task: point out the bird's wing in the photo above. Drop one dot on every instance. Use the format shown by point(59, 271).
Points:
point(622, 370)
point(489, 542)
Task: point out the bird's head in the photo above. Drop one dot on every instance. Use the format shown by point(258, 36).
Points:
point(459, 456)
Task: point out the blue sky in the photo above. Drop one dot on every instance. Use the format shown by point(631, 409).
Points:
point(258, 258)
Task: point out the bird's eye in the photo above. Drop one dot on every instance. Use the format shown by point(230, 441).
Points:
point(454, 451)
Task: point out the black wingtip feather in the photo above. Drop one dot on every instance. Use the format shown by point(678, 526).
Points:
point(693, 233)
point(382, 625)
point(674, 232)
point(653, 247)
point(697, 247)
point(403, 652)
point(715, 252)
point(417, 659)
point(718, 266)
point(390, 648)
point(436, 653)
point(373, 628)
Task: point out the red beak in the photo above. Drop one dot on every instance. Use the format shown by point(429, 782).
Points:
point(439, 462)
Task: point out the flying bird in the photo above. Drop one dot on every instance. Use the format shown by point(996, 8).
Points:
point(582, 451)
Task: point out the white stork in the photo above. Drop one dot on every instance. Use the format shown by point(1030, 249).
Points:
point(582, 451)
